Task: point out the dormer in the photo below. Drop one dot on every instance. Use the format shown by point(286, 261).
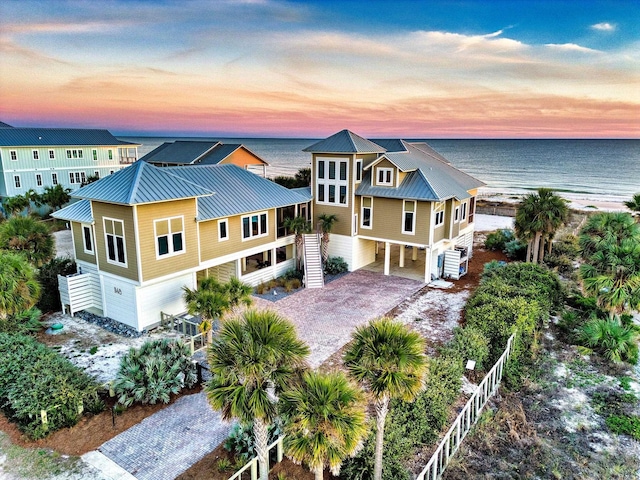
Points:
point(386, 173)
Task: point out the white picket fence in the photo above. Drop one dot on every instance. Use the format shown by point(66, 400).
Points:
point(466, 419)
point(252, 466)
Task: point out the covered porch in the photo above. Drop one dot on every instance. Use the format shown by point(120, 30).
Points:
point(402, 261)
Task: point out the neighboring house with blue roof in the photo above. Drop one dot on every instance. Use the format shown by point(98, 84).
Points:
point(200, 152)
point(36, 158)
point(390, 195)
point(143, 233)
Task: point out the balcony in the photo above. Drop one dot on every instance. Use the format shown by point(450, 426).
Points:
point(127, 160)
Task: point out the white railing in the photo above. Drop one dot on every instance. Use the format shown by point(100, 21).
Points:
point(252, 466)
point(466, 419)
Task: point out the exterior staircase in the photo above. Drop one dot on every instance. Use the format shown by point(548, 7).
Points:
point(314, 277)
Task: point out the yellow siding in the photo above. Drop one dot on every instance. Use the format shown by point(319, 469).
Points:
point(211, 247)
point(153, 267)
point(118, 212)
point(387, 221)
point(78, 244)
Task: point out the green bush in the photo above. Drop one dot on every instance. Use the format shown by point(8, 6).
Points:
point(34, 377)
point(26, 322)
point(293, 274)
point(615, 341)
point(48, 278)
point(515, 249)
point(561, 263)
point(335, 265)
point(468, 343)
point(627, 424)
point(241, 443)
point(498, 239)
point(567, 246)
point(153, 372)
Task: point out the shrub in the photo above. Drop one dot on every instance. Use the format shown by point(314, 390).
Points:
point(241, 443)
point(468, 343)
point(561, 263)
point(568, 246)
point(615, 341)
point(153, 372)
point(335, 266)
point(262, 288)
point(515, 249)
point(627, 424)
point(26, 322)
point(492, 265)
point(498, 239)
point(48, 278)
point(34, 377)
point(291, 284)
point(293, 273)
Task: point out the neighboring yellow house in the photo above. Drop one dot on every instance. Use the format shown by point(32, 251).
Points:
point(395, 194)
point(144, 232)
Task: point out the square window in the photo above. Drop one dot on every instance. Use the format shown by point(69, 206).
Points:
point(169, 236)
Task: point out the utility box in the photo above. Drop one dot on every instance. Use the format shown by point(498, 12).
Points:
point(456, 263)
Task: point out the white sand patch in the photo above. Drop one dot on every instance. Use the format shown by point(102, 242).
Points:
point(64, 243)
point(577, 414)
point(79, 338)
point(489, 223)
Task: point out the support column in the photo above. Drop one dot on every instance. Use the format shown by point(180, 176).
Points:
point(387, 257)
point(401, 263)
point(427, 264)
point(377, 246)
point(238, 269)
point(414, 254)
point(244, 264)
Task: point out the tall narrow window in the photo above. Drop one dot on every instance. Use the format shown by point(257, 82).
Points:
point(54, 178)
point(169, 236)
point(456, 215)
point(367, 210)
point(110, 154)
point(79, 153)
point(114, 238)
point(14, 155)
point(409, 217)
point(320, 168)
point(358, 170)
point(463, 212)
point(439, 213)
point(223, 229)
point(87, 239)
point(38, 179)
point(16, 181)
point(36, 155)
point(332, 170)
point(68, 153)
point(95, 155)
point(52, 155)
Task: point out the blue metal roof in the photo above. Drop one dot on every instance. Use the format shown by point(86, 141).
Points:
point(79, 211)
point(237, 191)
point(179, 152)
point(5, 125)
point(48, 137)
point(141, 183)
point(345, 142)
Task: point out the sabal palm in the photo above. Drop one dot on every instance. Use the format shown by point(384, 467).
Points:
point(616, 341)
point(15, 205)
point(324, 421)
point(29, 237)
point(297, 226)
point(389, 359)
point(238, 294)
point(634, 205)
point(19, 289)
point(252, 360)
point(209, 300)
point(327, 220)
point(603, 231)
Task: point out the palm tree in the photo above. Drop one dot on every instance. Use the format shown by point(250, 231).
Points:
point(210, 301)
point(56, 197)
point(606, 230)
point(29, 237)
point(238, 295)
point(297, 226)
point(31, 196)
point(326, 224)
point(19, 289)
point(634, 205)
point(253, 359)
point(14, 205)
point(389, 359)
point(538, 217)
point(324, 421)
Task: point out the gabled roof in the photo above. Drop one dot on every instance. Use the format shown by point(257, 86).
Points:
point(49, 137)
point(179, 152)
point(79, 211)
point(345, 142)
point(429, 177)
point(237, 191)
point(5, 125)
point(139, 183)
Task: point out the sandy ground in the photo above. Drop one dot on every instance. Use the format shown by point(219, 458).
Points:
point(64, 243)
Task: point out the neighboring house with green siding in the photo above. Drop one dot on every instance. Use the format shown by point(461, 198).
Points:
point(144, 232)
point(36, 158)
point(394, 194)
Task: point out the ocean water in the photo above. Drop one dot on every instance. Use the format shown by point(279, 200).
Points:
point(598, 169)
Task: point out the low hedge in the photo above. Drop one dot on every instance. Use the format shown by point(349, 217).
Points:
point(33, 378)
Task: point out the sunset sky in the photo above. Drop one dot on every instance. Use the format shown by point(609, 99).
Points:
point(421, 69)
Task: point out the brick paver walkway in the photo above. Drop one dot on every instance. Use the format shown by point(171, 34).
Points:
point(169, 442)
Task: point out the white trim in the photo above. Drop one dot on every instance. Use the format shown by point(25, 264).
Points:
point(38, 179)
point(84, 243)
point(387, 173)
point(35, 154)
point(137, 240)
point(52, 154)
point(337, 183)
point(169, 235)
point(355, 224)
point(115, 244)
point(54, 178)
point(13, 155)
point(370, 207)
point(17, 182)
point(224, 221)
point(357, 170)
point(260, 233)
point(413, 217)
point(438, 210)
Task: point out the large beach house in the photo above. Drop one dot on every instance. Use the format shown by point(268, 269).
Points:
point(143, 233)
point(36, 158)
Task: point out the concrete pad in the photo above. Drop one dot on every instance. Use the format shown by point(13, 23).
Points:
point(107, 467)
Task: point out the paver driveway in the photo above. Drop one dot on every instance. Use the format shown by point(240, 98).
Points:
point(326, 317)
point(170, 441)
